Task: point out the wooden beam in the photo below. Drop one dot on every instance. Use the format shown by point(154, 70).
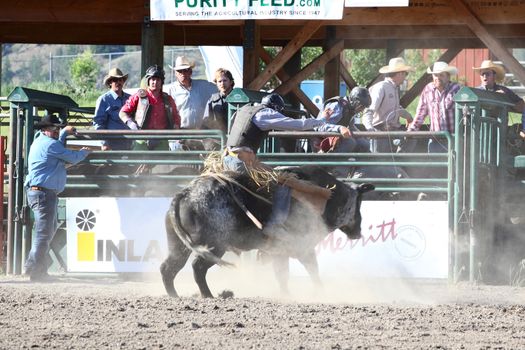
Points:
point(283, 76)
point(251, 41)
point(345, 72)
point(376, 32)
point(295, 44)
point(75, 11)
point(152, 48)
point(426, 78)
point(332, 68)
point(311, 68)
point(490, 41)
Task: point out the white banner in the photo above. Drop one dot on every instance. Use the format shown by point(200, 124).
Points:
point(400, 239)
point(116, 234)
point(376, 3)
point(199, 10)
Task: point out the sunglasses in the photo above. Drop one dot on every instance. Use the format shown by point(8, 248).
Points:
point(182, 71)
point(115, 80)
point(487, 73)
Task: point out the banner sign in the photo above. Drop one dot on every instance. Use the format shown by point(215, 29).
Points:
point(376, 3)
point(400, 239)
point(216, 10)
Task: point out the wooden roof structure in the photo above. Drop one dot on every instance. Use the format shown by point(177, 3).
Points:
point(450, 24)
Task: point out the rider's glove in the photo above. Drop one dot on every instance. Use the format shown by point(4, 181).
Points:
point(132, 125)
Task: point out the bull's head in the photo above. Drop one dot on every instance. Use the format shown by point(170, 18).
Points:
point(348, 211)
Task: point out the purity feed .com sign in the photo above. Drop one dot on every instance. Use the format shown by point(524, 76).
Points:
point(400, 239)
point(185, 10)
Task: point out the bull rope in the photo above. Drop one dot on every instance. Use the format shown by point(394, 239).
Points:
point(228, 185)
point(262, 176)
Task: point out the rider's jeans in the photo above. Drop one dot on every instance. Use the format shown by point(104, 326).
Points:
point(44, 204)
point(281, 196)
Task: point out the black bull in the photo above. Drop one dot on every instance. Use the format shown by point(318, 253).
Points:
point(205, 214)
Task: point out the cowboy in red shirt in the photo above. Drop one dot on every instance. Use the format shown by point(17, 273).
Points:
point(151, 109)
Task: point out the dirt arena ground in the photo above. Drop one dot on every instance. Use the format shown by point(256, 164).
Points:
point(106, 311)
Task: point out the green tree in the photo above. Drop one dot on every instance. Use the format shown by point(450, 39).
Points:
point(36, 69)
point(7, 73)
point(308, 54)
point(84, 70)
point(365, 64)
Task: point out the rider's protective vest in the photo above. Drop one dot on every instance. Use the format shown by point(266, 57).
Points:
point(348, 114)
point(244, 133)
point(143, 111)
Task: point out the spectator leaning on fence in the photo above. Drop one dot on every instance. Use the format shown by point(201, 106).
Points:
point(46, 178)
point(108, 107)
point(151, 109)
point(491, 74)
point(437, 102)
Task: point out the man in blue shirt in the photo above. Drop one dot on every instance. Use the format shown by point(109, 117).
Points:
point(45, 180)
point(342, 111)
point(108, 107)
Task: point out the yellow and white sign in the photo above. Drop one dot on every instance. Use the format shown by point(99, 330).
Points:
point(400, 239)
point(216, 10)
point(116, 234)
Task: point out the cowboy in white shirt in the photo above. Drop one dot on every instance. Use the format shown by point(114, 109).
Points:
point(190, 95)
point(384, 111)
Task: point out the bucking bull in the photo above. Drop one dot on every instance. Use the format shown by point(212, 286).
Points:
point(209, 217)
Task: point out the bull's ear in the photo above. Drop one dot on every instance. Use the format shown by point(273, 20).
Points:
point(362, 188)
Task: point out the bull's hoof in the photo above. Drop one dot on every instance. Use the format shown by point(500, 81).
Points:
point(172, 293)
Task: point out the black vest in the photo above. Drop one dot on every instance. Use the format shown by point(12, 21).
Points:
point(244, 133)
point(217, 112)
point(348, 114)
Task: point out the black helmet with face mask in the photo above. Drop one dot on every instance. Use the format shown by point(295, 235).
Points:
point(274, 101)
point(359, 99)
point(155, 71)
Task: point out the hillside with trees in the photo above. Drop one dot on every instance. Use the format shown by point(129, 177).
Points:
point(78, 70)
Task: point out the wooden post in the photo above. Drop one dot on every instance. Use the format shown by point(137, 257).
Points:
point(250, 43)
point(152, 44)
point(332, 68)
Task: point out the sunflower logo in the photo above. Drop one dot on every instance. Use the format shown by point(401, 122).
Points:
point(86, 220)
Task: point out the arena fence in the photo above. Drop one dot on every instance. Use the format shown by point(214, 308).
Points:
point(453, 176)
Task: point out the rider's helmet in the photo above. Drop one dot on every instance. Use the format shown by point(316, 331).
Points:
point(154, 71)
point(274, 101)
point(359, 99)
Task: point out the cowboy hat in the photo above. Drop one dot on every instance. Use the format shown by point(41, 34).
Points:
point(114, 73)
point(489, 65)
point(182, 63)
point(49, 120)
point(440, 67)
point(396, 64)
